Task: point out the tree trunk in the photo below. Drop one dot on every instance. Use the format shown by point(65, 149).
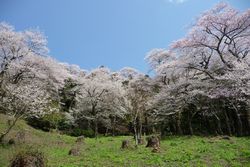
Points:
point(190, 127)
point(89, 124)
point(178, 124)
point(140, 129)
point(238, 119)
point(96, 128)
point(136, 130)
point(113, 126)
point(219, 131)
point(106, 132)
point(190, 124)
point(95, 120)
point(136, 135)
point(229, 130)
point(146, 129)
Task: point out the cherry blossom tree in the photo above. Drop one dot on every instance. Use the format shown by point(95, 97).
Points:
point(24, 94)
point(98, 97)
point(219, 37)
point(19, 95)
point(22, 100)
point(16, 45)
point(211, 62)
point(28, 77)
point(137, 91)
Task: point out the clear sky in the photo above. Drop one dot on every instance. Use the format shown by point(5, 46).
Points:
point(113, 33)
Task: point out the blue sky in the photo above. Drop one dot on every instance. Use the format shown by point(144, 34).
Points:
point(113, 33)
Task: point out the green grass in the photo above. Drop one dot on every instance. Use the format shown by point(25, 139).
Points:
point(175, 151)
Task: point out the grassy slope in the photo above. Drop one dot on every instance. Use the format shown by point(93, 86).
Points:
point(175, 151)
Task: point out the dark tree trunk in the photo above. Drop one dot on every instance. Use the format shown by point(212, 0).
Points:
point(146, 125)
point(219, 130)
point(106, 132)
point(135, 127)
point(95, 121)
point(190, 124)
point(89, 124)
point(113, 126)
point(229, 130)
point(178, 124)
point(96, 128)
point(190, 127)
point(238, 120)
point(136, 135)
point(140, 129)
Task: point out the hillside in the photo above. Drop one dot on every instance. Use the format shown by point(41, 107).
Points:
point(175, 151)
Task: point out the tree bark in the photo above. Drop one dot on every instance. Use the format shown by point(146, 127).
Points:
point(238, 119)
point(190, 124)
point(140, 129)
point(136, 135)
point(229, 130)
point(96, 128)
point(113, 126)
point(135, 126)
point(95, 119)
point(178, 123)
point(146, 129)
point(219, 130)
point(106, 132)
point(190, 127)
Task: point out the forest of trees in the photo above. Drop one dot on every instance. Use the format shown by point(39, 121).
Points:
point(200, 85)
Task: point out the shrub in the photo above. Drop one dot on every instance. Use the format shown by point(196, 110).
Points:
point(48, 121)
point(29, 158)
point(82, 132)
